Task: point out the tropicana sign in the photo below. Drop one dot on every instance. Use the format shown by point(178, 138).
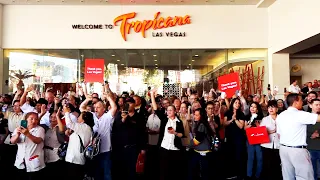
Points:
point(144, 25)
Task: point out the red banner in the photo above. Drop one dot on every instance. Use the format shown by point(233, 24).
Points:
point(257, 135)
point(229, 84)
point(94, 70)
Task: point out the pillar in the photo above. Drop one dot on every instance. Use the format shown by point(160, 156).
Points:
point(279, 72)
point(4, 63)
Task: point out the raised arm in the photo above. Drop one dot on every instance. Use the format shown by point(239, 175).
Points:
point(153, 99)
point(112, 102)
point(23, 98)
point(83, 105)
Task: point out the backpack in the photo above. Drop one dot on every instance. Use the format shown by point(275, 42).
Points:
point(93, 148)
point(62, 150)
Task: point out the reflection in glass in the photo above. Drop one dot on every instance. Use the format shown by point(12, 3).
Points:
point(46, 69)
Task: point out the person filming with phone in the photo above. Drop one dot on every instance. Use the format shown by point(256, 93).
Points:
point(30, 156)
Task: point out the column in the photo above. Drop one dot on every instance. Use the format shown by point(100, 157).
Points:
point(4, 64)
point(279, 71)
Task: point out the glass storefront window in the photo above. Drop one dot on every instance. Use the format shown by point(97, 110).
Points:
point(134, 69)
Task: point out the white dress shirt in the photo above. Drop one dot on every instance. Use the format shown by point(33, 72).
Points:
point(270, 124)
point(294, 89)
point(168, 139)
point(292, 126)
point(28, 150)
point(103, 126)
point(84, 131)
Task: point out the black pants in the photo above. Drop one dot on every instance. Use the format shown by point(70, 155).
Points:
point(170, 164)
point(21, 174)
point(124, 163)
point(75, 171)
point(8, 159)
point(54, 167)
point(271, 164)
point(152, 163)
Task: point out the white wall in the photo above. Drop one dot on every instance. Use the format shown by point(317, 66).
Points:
point(309, 69)
point(36, 26)
point(291, 21)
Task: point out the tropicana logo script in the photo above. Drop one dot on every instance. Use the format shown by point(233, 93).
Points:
point(144, 25)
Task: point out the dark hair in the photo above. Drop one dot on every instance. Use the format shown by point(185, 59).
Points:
point(291, 98)
point(314, 100)
point(294, 81)
point(272, 103)
point(42, 101)
point(88, 118)
point(204, 121)
point(259, 113)
point(313, 92)
point(210, 103)
point(231, 105)
point(16, 101)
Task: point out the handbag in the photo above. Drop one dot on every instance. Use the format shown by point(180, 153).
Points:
point(62, 150)
point(140, 164)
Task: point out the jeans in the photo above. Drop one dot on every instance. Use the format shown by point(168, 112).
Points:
point(103, 171)
point(203, 162)
point(315, 157)
point(252, 151)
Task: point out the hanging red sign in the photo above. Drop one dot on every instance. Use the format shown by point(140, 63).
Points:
point(229, 84)
point(94, 70)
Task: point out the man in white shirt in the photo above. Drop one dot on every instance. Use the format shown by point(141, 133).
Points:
point(292, 129)
point(294, 87)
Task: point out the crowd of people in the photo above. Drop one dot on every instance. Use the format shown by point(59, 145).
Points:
point(196, 136)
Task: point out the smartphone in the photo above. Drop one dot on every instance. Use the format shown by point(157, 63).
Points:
point(237, 93)
point(223, 95)
point(285, 90)
point(269, 87)
point(276, 88)
point(24, 123)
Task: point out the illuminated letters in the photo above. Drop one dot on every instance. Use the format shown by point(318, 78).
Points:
point(144, 25)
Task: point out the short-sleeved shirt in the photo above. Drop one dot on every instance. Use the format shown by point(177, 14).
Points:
point(30, 155)
point(233, 132)
point(292, 126)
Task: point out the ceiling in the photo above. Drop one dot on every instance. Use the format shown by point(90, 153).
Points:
point(131, 2)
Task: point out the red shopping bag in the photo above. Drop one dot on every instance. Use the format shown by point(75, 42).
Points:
point(140, 163)
point(257, 135)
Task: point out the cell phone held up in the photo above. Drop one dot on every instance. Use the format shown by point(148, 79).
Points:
point(24, 124)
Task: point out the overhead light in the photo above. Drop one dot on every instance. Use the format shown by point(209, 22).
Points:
point(154, 55)
point(192, 60)
point(156, 67)
point(122, 64)
point(196, 55)
point(155, 60)
point(189, 64)
point(113, 55)
point(118, 60)
point(156, 64)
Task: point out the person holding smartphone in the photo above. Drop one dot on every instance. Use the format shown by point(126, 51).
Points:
point(30, 156)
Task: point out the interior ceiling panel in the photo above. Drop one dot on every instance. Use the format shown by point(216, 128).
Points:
point(131, 2)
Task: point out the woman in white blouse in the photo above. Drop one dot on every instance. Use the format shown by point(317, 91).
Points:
point(81, 131)
point(271, 165)
point(30, 155)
